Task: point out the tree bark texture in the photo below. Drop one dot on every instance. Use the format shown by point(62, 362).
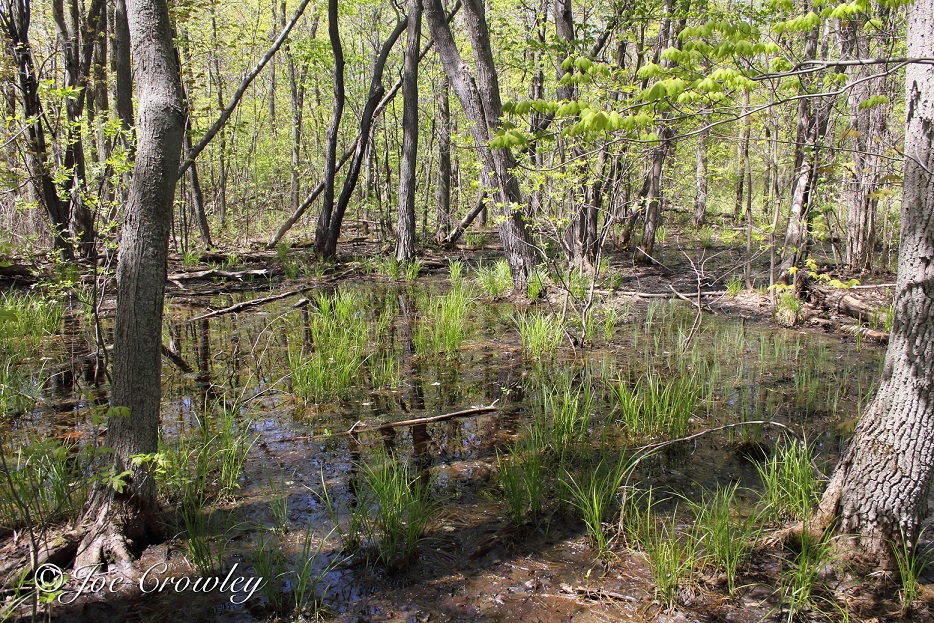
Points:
point(405, 233)
point(443, 183)
point(133, 427)
point(700, 196)
point(123, 72)
point(881, 485)
point(480, 100)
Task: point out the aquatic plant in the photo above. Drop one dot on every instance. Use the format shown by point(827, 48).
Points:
point(443, 328)
point(494, 281)
point(800, 574)
point(43, 482)
point(412, 269)
point(734, 286)
point(339, 334)
point(726, 535)
point(790, 485)
point(270, 564)
point(206, 538)
point(309, 587)
point(593, 494)
point(911, 564)
point(571, 411)
point(401, 510)
point(191, 258)
point(671, 560)
point(541, 333)
point(456, 268)
point(521, 476)
point(656, 406)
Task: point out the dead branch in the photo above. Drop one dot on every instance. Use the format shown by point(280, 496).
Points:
point(248, 304)
point(355, 429)
point(212, 273)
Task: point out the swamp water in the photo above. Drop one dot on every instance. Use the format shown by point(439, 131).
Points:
point(504, 514)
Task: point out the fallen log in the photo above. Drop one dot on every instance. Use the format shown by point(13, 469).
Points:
point(850, 329)
point(839, 301)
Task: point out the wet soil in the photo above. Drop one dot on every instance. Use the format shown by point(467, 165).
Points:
point(473, 564)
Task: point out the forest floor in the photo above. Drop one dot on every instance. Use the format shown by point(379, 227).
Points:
point(475, 565)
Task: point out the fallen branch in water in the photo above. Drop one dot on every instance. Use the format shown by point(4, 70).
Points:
point(212, 273)
point(356, 428)
point(248, 304)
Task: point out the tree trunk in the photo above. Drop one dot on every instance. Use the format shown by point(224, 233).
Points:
point(330, 145)
point(119, 520)
point(653, 197)
point(16, 18)
point(123, 73)
point(700, 198)
point(880, 488)
point(866, 127)
point(482, 106)
point(405, 234)
point(328, 246)
point(443, 185)
point(77, 43)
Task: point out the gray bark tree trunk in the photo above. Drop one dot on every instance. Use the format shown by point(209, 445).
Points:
point(867, 126)
point(700, 197)
point(480, 100)
point(118, 520)
point(880, 488)
point(405, 232)
point(76, 40)
point(443, 184)
point(123, 72)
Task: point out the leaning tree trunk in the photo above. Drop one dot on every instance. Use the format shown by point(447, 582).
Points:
point(881, 485)
point(443, 182)
point(322, 230)
point(405, 241)
point(119, 520)
point(482, 106)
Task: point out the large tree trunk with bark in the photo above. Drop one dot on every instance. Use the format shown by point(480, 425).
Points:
point(118, 521)
point(405, 234)
point(880, 487)
point(480, 100)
